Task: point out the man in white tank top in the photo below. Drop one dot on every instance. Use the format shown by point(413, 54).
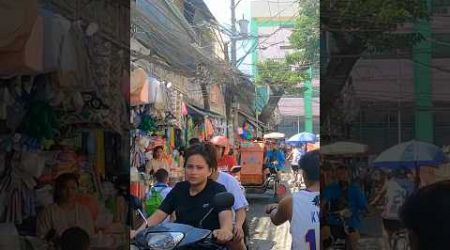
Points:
point(302, 208)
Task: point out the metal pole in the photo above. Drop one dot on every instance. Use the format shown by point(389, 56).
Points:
point(233, 32)
point(298, 124)
point(257, 124)
point(399, 112)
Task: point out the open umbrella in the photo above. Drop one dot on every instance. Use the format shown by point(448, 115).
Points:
point(411, 154)
point(300, 138)
point(344, 148)
point(274, 135)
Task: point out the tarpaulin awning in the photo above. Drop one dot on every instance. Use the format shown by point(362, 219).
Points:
point(203, 112)
point(252, 120)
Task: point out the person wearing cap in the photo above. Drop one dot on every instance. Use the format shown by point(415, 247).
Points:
point(225, 161)
point(302, 208)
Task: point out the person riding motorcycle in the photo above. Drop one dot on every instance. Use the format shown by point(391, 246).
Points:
point(344, 196)
point(274, 159)
point(232, 186)
point(190, 199)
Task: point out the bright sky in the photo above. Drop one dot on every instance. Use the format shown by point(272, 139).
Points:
point(221, 11)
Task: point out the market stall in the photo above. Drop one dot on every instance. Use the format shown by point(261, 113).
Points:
point(153, 125)
point(58, 117)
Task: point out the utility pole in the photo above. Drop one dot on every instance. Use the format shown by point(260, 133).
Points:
point(233, 32)
point(307, 98)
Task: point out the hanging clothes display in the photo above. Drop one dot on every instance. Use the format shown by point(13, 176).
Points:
point(139, 87)
point(100, 153)
point(28, 60)
point(21, 15)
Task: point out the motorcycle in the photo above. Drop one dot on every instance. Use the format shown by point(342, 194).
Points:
point(340, 242)
point(168, 236)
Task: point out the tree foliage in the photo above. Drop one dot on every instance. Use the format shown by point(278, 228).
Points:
point(362, 26)
point(277, 73)
point(306, 35)
point(284, 76)
point(305, 40)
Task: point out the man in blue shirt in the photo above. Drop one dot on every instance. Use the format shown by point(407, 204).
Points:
point(275, 159)
point(344, 195)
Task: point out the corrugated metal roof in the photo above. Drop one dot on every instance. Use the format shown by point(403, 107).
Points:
point(296, 107)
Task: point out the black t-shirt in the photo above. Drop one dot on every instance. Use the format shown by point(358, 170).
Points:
point(189, 209)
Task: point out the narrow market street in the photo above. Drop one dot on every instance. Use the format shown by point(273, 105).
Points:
point(265, 235)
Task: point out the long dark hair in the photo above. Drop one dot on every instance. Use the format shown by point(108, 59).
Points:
point(206, 150)
point(60, 184)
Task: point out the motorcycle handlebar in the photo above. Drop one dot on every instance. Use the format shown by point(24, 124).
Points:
point(211, 243)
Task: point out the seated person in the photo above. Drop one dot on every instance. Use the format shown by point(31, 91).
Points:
point(65, 212)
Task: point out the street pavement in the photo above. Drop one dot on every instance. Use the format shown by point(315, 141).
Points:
point(266, 236)
point(372, 233)
point(263, 234)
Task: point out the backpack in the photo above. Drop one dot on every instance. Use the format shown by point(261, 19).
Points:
point(154, 201)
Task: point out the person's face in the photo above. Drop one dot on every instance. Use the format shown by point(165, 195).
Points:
point(219, 151)
point(342, 175)
point(197, 170)
point(70, 191)
point(427, 175)
point(158, 153)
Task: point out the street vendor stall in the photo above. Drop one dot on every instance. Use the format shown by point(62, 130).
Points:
point(57, 118)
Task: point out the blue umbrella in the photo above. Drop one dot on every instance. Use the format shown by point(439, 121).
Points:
point(301, 138)
point(411, 154)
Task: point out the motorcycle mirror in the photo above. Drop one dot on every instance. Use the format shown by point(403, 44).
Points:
point(223, 200)
point(236, 169)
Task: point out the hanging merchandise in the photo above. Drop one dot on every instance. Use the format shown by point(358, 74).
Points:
point(209, 128)
point(153, 89)
point(5, 101)
point(171, 137)
point(33, 163)
point(139, 87)
point(16, 192)
point(66, 161)
point(184, 109)
point(148, 124)
point(137, 153)
point(40, 121)
point(190, 128)
point(21, 51)
point(56, 31)
point(21, 14)
point(100, 153)
point(179, 138)
point(75, 70)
